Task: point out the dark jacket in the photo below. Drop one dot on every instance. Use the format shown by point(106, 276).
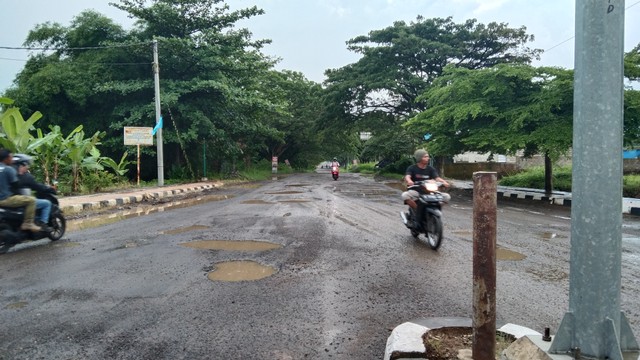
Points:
point(27, 180)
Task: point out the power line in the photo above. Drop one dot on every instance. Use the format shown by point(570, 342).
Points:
point(571, 38)
point(75, 48)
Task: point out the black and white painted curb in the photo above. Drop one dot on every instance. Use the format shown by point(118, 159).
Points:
point(629, 205)
point(131, 199)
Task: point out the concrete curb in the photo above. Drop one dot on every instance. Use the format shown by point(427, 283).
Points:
point(405, 341)
point(629, 205)
point(131, 198)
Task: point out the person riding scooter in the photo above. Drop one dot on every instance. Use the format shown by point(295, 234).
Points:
point(421, 171)
point(27, 182)
point(9, 185)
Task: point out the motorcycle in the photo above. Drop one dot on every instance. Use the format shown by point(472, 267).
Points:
point(428, 214)
point(335, 172)
point(11, 219)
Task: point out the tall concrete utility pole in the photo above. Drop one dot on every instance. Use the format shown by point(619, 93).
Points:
point(156, 80)
point(594, 326)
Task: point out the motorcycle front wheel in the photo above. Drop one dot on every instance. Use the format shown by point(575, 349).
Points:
point(58, 226)
point(434, 231)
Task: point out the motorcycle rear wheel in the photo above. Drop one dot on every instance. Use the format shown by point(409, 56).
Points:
point(434, 232)
point(58, 226)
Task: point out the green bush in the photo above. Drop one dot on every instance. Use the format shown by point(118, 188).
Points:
point(534, 178)
point(364, 168)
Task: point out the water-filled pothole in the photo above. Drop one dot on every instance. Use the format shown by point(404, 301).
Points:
point(256, 202)
point(284, 192)
point(240, 271)
point(140, 210)
point(551, 235)
point(185, 229)
point(506, 254)
point(242, 245)
point(295, 201)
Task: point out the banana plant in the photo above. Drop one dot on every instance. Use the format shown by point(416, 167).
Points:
point(119, 168)
point(48, 150)
point(82, 154)
point(15, 135)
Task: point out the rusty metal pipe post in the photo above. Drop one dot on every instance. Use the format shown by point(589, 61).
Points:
point(484, 265)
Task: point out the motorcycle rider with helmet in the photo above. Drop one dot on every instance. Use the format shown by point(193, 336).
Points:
point(27, 183)
point(8, 192)
point(335, 162)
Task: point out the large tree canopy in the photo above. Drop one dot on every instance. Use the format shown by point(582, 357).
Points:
point(216, 86)
point(400, 62)
point(503, 109)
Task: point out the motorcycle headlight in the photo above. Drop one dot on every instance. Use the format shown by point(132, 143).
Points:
point(431, 186)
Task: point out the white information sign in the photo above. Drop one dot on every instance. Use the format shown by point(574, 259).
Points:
point(138, 135)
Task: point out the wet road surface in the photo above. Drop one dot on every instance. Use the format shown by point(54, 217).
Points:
point(301, 267)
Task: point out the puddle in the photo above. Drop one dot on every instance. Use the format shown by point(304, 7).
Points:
point(298, 185)
point(551, 235)
point(509, 255)
point(284, 192)
point(185, 229)
point(397, 185)
point(140, 210)
point(66, 244)
point(240, 271)
point(465, 233)
point(241, 245)
point(295, 201)
point(17, 305)
point(257, 202)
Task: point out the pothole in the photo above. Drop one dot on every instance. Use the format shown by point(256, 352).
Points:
point(284, 193)
point(506, 254)
point(17, 305)
point(240, 271)
point(185, 229)
point(399, 185)
point(137, 211)
point(551, 235)
point(241, 245)
point(256, 202)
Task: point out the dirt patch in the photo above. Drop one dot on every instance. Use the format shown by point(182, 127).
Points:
point(445, 343)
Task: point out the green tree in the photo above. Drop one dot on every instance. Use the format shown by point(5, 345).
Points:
point(214, 79)
point(503, 109)
point(400, 62)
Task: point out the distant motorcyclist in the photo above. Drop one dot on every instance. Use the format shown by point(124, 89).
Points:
point(27, 183)
point(421, 171)
point(335, 162)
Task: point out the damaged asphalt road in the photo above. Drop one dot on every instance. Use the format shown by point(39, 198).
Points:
point(301, 267)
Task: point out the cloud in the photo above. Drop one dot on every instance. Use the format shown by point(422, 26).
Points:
point(336, 8)
point(488, 5)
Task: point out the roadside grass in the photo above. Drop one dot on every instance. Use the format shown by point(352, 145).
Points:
point(534, 178)
point(530, 178)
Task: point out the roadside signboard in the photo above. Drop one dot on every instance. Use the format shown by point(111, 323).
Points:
point(138, 135)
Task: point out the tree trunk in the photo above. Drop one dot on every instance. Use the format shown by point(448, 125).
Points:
point(548, 175)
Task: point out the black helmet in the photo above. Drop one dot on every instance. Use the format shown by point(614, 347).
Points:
point(22, 159)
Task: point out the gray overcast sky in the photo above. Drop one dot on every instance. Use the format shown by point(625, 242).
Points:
point(309, 35)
